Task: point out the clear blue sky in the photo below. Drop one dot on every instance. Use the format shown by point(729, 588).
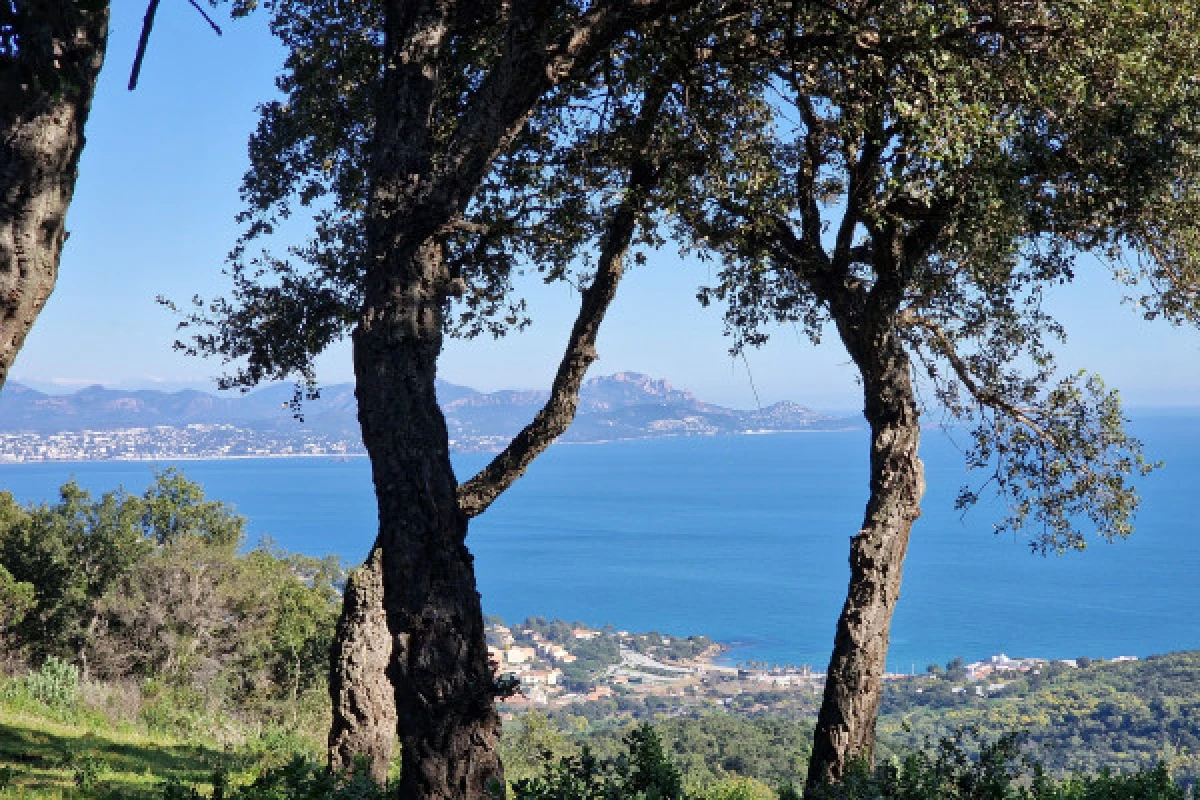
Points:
point(153, 214)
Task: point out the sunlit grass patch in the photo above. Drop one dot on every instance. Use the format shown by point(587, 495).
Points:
point(40, 758)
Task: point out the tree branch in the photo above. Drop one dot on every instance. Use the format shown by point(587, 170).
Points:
point(982, 394)
point(528, 67)
point(144, 39)
point(558, 413)
point(806, 179)
point(147, 26)
point(207, 18)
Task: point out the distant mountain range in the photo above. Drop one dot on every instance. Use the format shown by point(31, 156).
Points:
point(625, 405)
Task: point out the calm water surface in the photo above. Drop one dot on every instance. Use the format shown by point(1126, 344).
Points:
point(746, 538)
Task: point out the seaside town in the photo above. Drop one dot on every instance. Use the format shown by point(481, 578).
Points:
point(162, 442)
point(558, 665)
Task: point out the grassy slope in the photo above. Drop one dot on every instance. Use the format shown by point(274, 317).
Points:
point(1124, 716)
point(45, 757)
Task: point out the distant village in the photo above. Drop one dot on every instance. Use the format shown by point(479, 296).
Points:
point(196, 441)
point(165, 442)
point(558, 665)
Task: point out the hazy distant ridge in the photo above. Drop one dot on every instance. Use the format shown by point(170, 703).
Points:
point(625, 405)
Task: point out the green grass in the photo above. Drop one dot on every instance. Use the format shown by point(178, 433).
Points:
point(47, 759)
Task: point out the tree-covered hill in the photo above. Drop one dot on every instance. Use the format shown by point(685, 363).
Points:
point(1121, 715)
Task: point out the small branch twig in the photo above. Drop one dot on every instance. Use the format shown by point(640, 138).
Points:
point(207, 18)
point(144, 39)
point(147, 26)
point(982, 394)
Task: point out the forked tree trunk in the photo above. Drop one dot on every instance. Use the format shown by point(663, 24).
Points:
point(362, 726)
point(446, 717)
point(364, 710)
point(43, 110)
point(443, 687)
point(846, 724)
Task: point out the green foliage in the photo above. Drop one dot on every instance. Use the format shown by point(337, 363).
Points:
point(949, 772)
point(87, 774)
point(1124, 715)
point(299, 779)
point(56, 684)
point(528, 742)
point(996, 771)
point(175, 509)
point(76, 552)
point(736, 789)
point(73, 553)
point(642, 773)
point(922, 169)
point(1151, 784)
point(543, 206)
point(714, 747)
point(16, 599)
point(152, 590)
point(958, 767)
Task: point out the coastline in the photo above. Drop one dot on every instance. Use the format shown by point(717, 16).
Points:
point(334, 455)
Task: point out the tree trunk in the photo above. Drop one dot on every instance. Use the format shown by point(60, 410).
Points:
point(443, 686)
point(46, 88)
point(846, 724)
point(364, 711)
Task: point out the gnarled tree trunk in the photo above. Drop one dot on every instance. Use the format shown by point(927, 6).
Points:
point(420, 184)
point(48, 70)
point(439, 670)
point(846, 723)
point(364, 710)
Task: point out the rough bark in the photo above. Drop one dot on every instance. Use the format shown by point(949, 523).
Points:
point(438, 675)
point(364, 718)
point(846, 724)
point(47, 78)
point(364, 711)
point(442, 682)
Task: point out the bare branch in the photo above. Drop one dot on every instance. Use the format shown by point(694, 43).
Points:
point(207, 18)
point(144, 39)
point(147, 26)
point(814, 144)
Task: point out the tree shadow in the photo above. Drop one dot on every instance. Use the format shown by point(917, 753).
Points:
point(40, 760)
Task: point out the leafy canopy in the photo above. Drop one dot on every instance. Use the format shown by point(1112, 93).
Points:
point(927, 171)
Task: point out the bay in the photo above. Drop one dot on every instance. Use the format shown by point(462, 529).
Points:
point(745, 539)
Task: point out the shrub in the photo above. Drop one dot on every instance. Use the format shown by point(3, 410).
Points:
point(961, 767)
point(643, 772)
point(55, 685)
point(300, 779)
point(951, 771)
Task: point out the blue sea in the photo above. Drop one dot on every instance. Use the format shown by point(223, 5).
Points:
point(745, 539)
